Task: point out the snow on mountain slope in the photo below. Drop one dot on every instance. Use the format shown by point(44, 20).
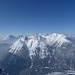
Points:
point(17, 46)
point(37, 44)
point(51, 39)
point(40, 53)
point(9, 39)
point(59, 39)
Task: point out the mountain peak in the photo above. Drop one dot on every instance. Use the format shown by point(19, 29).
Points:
point(9, 37)
point(39, 41)
point(17, 46)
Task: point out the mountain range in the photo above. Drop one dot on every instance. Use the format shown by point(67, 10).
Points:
point(38, 54)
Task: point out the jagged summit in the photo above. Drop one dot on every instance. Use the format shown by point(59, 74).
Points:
point(51, 38)
point(38, 52)
point(39, 41)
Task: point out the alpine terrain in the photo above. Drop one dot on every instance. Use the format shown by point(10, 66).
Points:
point(39, 54)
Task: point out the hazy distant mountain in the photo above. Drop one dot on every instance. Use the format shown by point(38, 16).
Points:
point(37, 54)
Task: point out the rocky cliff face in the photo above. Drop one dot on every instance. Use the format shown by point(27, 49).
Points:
point(37, 54)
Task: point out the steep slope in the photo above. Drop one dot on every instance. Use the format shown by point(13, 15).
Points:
point(41, 41)
point(17, 57)
point(37, 45)
point(20, 48)
point(40, 54)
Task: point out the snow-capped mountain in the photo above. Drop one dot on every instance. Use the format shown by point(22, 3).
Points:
point(39, 53)
point(17, 45)
point(39, 41)
point(9, 39)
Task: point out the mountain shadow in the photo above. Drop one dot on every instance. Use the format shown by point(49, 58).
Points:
point(13, 64)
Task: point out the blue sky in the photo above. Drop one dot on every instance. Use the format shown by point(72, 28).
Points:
point(37, 16)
